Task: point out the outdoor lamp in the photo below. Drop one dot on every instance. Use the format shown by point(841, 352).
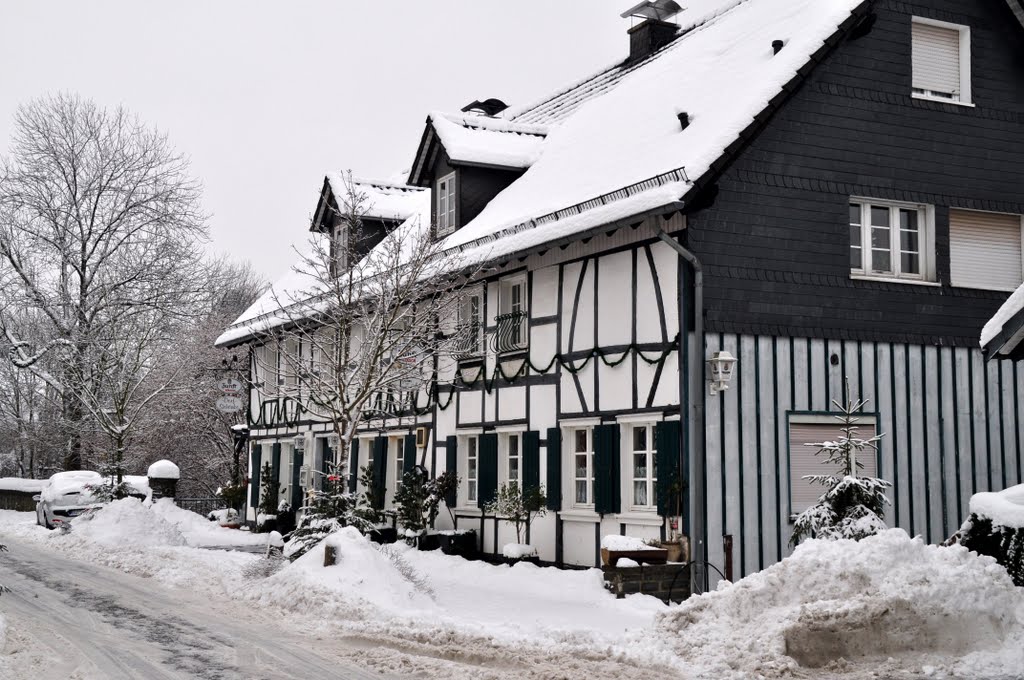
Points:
point(299, 442)
point(720, 367)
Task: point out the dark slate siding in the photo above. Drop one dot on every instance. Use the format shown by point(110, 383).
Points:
point(477, 186)
point(775, 244)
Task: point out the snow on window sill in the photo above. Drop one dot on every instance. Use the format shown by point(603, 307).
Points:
point(942, 100)
point(468, 510)
point(644, 517)
point(579, 515)
point(892, 279)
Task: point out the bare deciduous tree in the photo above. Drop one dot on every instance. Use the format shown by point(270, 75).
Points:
point(366, 330)
point(100, 226)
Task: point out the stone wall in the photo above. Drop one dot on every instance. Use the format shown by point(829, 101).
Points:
point(667, 582)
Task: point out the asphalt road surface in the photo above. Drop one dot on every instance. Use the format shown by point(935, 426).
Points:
point(71, 620)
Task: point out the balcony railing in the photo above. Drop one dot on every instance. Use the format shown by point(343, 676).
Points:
point(510, 334)
point(468, 341)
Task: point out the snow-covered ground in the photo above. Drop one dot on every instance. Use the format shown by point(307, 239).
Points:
point(889, 606)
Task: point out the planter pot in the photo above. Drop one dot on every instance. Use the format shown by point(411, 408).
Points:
point(651, 556)
point(461, 543)
point(383, 535)
point(428, 542)
point(674, 551)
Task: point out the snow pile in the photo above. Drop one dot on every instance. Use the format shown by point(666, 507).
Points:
point(127, 522)
point(199, 531)
point(362, 583)
point(517, 551)
point(885, 597)
point(20, 484)
point(163, 469)
point(1005, 508)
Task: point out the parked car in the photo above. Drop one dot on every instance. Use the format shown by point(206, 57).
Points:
point(65, 496)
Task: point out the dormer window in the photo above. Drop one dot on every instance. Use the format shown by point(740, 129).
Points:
point(444, 203)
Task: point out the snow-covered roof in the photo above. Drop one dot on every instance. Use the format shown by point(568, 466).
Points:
point(163, 469)
point(384, 199)
point(21, 484)
point(1003, 333)
point(478, 140)
point(612, 146)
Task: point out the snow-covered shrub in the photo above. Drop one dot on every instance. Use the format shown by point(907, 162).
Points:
point(851, 506)
point(996, 528)
point(518, 507)
point(271, 489)
point(327, 510)
point(417, 501)
point(405, 569)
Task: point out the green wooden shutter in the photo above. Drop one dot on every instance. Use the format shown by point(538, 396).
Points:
point(353, 465)
point(409, 456)
point(606, 469)
point(275, 470)
point(296, 487)
point(666, 437)
point(380, 470)
point(451, 464)
point(488, 469)
point(531, 459)
point(554, 489)
point(254, 476)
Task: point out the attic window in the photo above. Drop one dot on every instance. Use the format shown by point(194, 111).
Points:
point(941, 61)
point(444, 203)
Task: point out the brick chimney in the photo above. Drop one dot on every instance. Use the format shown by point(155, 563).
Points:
point(649, 36)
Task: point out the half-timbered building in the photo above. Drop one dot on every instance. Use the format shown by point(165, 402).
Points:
point(829, 191)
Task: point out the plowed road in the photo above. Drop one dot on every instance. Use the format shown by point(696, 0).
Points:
point(72, 620)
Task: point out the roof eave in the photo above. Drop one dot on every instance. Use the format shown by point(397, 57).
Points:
point(1009, 342)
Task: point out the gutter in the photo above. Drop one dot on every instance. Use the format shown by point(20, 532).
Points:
point(694, 391)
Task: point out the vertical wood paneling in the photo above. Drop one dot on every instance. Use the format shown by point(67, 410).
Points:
point(715, 496)
point(995, 435)
point(964, 450)
point(901, 438)
point(749, 454)
point(978, 422)
point(784, 392)
point(819, 383)
point(766, 415)
point(800, 379)
point(731, 458)
point(885, 407)
point(1007, 424)
point(932, 417)
point(948, 410)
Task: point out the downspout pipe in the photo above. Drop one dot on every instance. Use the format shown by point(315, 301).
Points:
point(698, 530)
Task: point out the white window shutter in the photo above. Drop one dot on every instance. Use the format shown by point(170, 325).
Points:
point(985, 250)
point(936, 59)
point(805, 460)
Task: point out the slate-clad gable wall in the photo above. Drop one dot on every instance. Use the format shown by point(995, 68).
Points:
point(477, 187)
point(775, 244)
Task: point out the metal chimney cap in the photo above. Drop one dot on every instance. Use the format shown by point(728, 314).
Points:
point(654, 9)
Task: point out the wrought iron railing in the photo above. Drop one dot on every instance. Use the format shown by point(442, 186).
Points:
point(510, 335)
point(468, 341)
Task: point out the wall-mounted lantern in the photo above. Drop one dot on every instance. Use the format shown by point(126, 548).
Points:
point(720, 367)
point(299, 442)
point(334, 441)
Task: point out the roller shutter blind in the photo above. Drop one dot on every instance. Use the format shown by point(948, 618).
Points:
point(985, 250)
point(936, 60)
point(805, 460)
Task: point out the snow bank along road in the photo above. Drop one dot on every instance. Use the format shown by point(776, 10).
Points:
point(72, 620)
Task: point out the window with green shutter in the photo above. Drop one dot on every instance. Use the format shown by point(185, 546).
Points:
point(488, 485)
point(409, 457)
point(607, 474)
point(451, 464)
point(380, 471)
point(275, 466)
point(531, 459)
point(667, 435)
point(554, 457)
point(254, 476)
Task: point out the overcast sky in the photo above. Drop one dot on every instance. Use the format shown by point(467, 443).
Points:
point(266, 97)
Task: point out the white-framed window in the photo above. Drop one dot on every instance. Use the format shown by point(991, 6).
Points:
point(472, 467)
point(339, 247)
point(444, 201)
point(642, 466)
point(512, 315)
point(985, 250)
point(582, 441)
point(470, 324)
point(805, 429)
point(941, 60)
point(513, 458)
point(892, 240)
point(399, 461)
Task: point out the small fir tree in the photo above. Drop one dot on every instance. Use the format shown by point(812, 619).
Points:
point(271, 490)
point(371, 500)
point(327, 510)
point(418, 499)
point(518, 507)
point(446, 485)
point(852, 505)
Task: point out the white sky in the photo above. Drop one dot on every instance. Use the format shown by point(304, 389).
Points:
point(265, 97)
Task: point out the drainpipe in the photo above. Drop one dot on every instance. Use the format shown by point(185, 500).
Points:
point(698, 550)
